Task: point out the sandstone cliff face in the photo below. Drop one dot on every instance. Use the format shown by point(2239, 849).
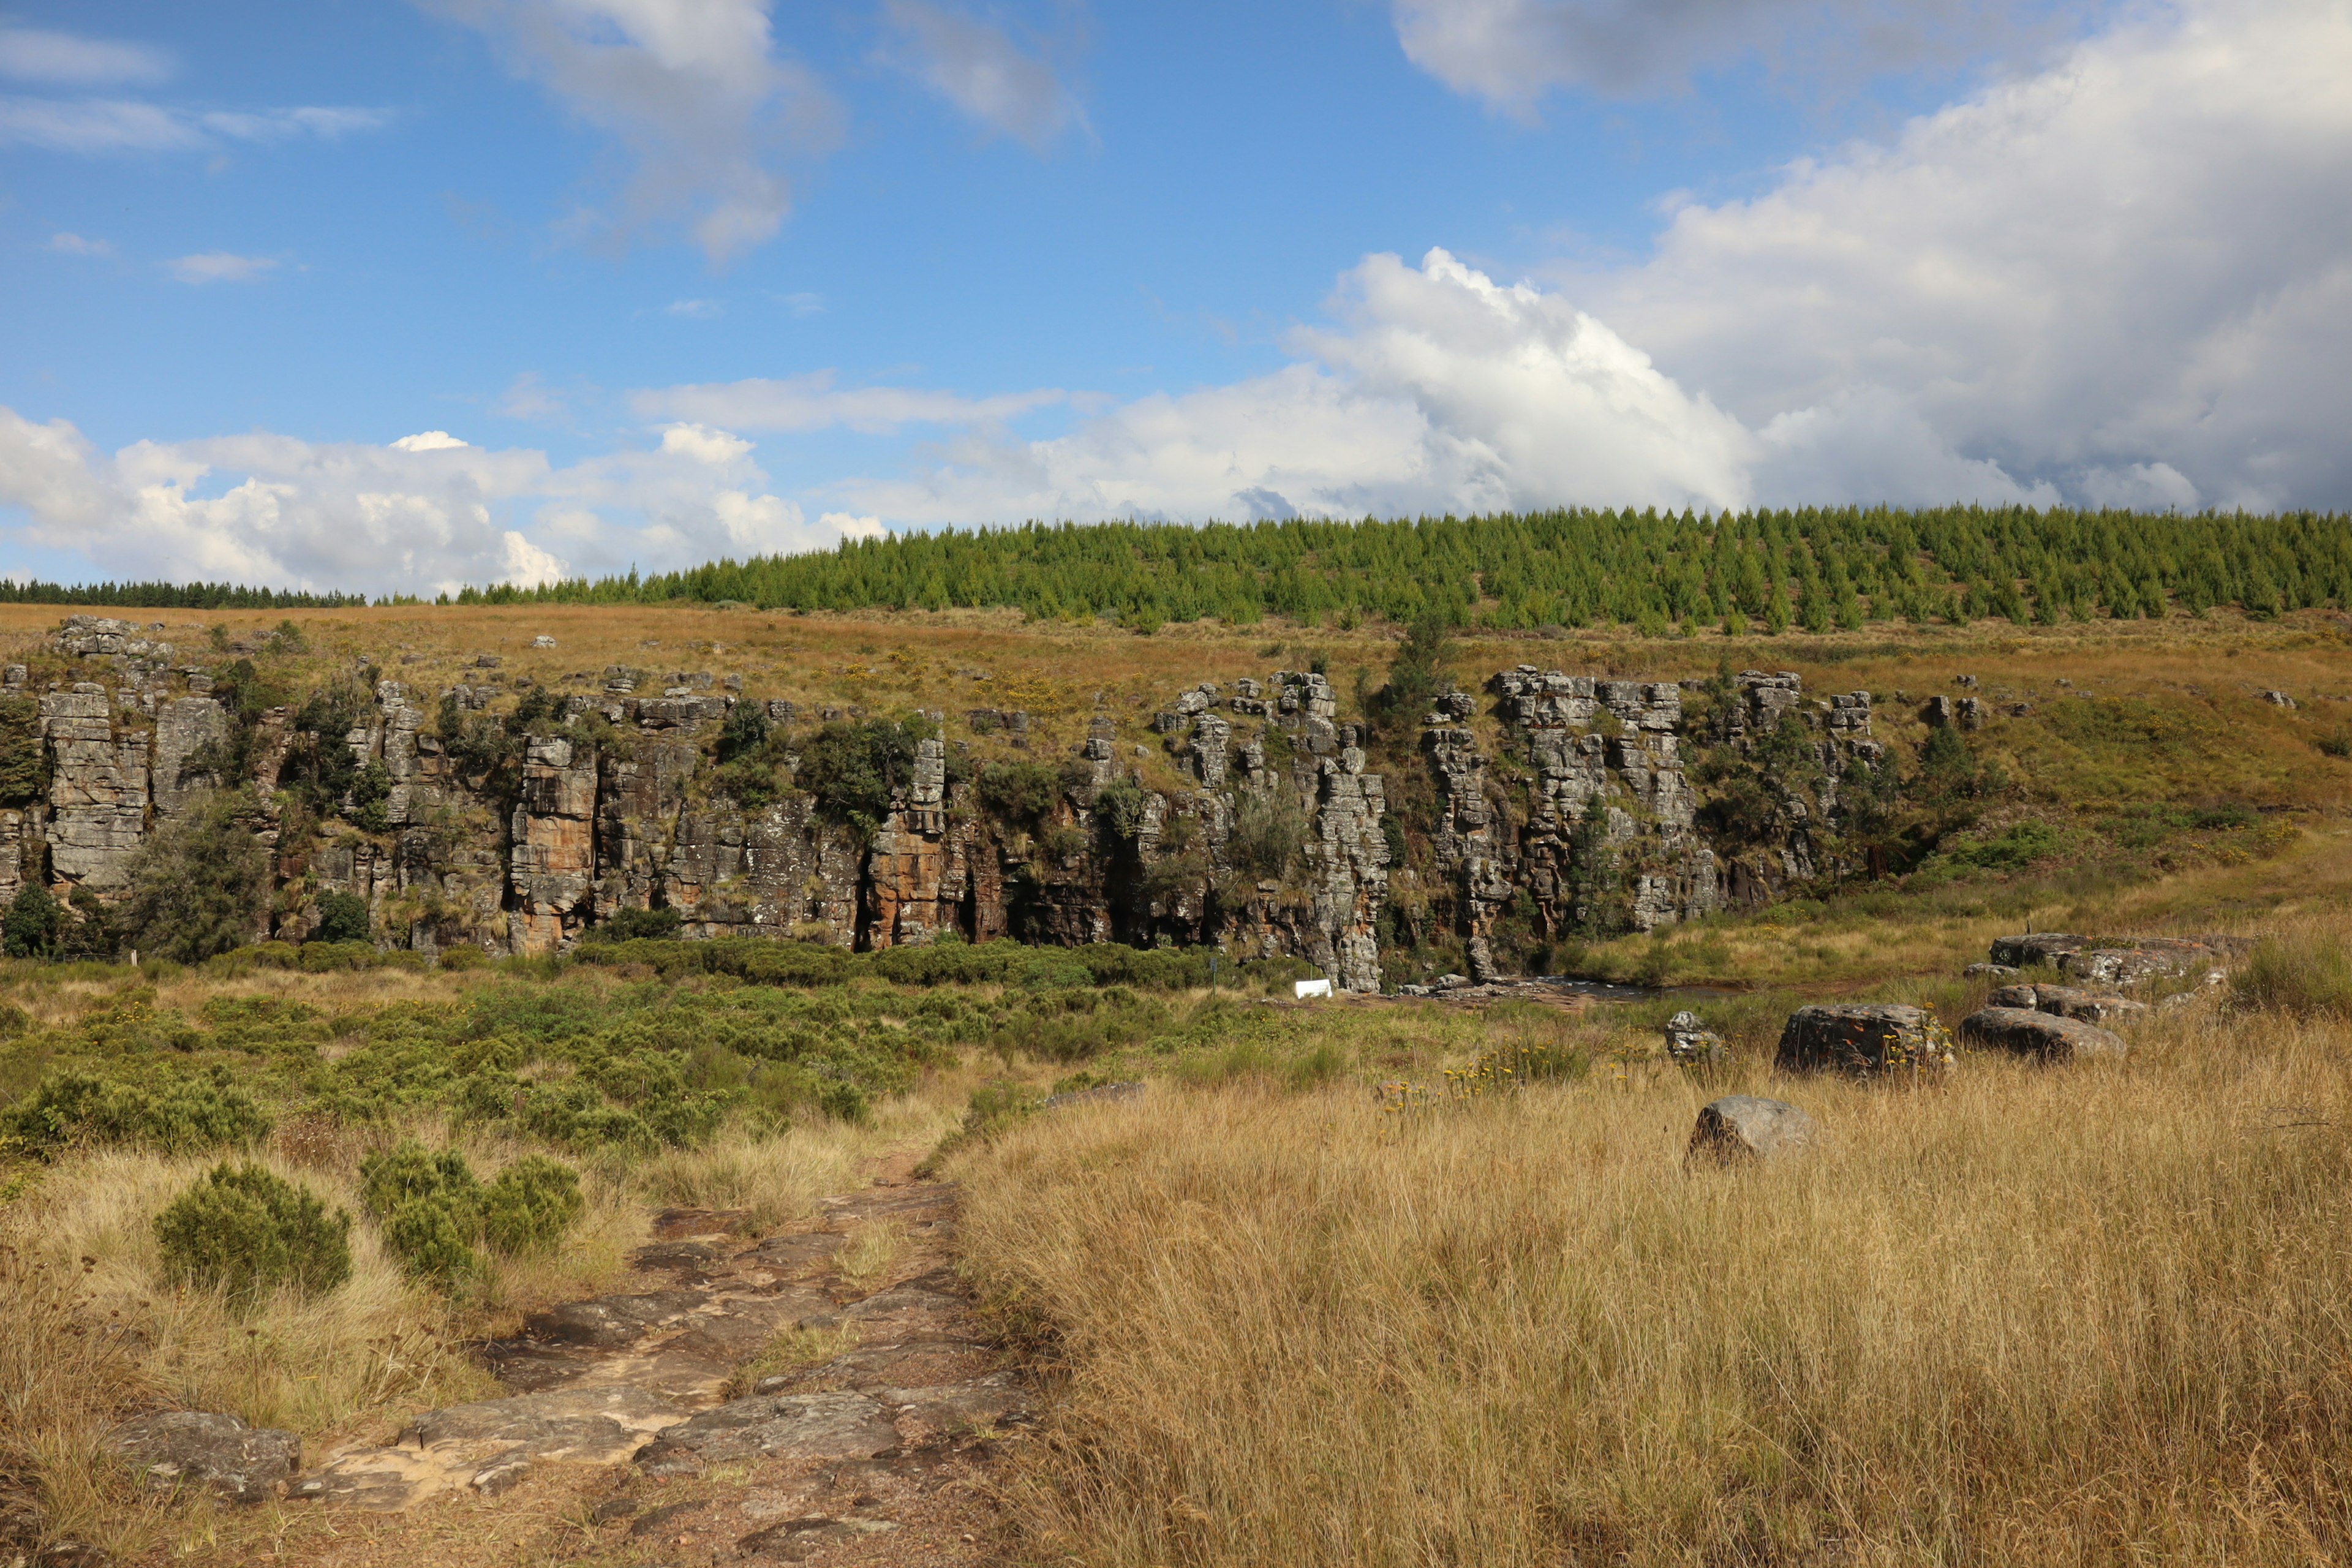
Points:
point(1277, 842)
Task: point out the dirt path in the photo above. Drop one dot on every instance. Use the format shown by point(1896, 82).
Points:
point(634, 1409)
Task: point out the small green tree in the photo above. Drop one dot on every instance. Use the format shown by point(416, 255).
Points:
point(343, 917)
point(1415, 676)
point(244, 1231)
point(852, 769)
point(23, 761)
point(199, 885)
point(31, 927)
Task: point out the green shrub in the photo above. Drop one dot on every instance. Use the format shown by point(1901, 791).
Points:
point(199, 884)
point(852, 769)
point(343, 917)
point(637, 925)
point(845, 1099)
point(432, 1240)
point(1019, 792)
point(176, 1114)
point(409, 1170)
point(531, 1204)
point(246, 1231)
point(429, 1205)
point(33, 920)
point(24, 759)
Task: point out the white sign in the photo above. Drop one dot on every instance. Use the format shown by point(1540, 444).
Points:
point(1305, 988)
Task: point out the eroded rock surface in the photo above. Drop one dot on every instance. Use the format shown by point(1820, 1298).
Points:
point(209, 1451)
point(891, 1435)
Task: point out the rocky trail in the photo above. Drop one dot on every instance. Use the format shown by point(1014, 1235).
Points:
point(878, 1453)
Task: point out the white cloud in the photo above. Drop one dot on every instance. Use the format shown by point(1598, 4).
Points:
point(976, 67)
point(121, 125)
point(75, 245)
point(705, 445)
point(527, 398)
point(695, 309)
point(1511, 52)
point(427, 441)
point(2140, 257)
point(812, 403)
point(67, 59)
point(1440, 390)
point(849, 525)
point(423, 513)
point(693, 88)
point(220, 266)
point(2124, 280)
point(805, 304)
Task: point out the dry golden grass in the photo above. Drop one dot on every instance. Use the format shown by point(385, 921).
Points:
point(92, 1341)
point(2091, 1315)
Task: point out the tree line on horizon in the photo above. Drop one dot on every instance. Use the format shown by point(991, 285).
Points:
point(1819, 568)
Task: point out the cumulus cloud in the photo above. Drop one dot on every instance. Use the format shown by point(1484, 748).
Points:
point(220, 266)
point(2124, 280)
point(69, 59)
point(123, 125)
point(425, 513)
point(813, 402)
point(694, 88)
point(1438, 389)
point(977, 67)
point(2142, 256)
point(1511, 52)
point(76, 244)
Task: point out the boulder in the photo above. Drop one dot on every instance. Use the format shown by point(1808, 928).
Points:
point(2039, 947)
point(2072, 1002)
point(1744, 1127)
point(1862, 1038)
point(219, 1453)
point(2046, 1036)
point(1691, 1043)
point(1993, 971)
point(2026, 997)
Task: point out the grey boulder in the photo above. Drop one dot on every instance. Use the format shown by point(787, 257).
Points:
point(1692, 1043)
point(1861, 1039)
point(1746, 1127)
point(2047, 1036)
point(219, 1453)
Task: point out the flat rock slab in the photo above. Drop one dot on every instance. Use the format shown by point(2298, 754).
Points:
point(2068, 1002)
point(789, 1426)
point(491, 1444)
point(1746, 1127)
point(610, 1321)
point(217, 1453)
point(2046, 1036)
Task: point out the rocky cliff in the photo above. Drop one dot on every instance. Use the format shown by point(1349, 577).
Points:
point(1555, 804)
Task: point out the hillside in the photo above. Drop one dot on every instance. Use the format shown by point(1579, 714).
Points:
point(513, 779)
point(434, 919)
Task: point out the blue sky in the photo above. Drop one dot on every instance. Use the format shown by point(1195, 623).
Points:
point(395, 296)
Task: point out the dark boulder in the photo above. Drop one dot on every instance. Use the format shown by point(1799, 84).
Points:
point(2046, 1036)
point(2039, 947)
point(1862, 1038)
point(1744, 1127)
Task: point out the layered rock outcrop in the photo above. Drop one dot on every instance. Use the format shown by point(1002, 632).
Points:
point(1564, 804)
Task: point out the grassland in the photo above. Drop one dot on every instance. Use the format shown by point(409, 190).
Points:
point(2090, 1315)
